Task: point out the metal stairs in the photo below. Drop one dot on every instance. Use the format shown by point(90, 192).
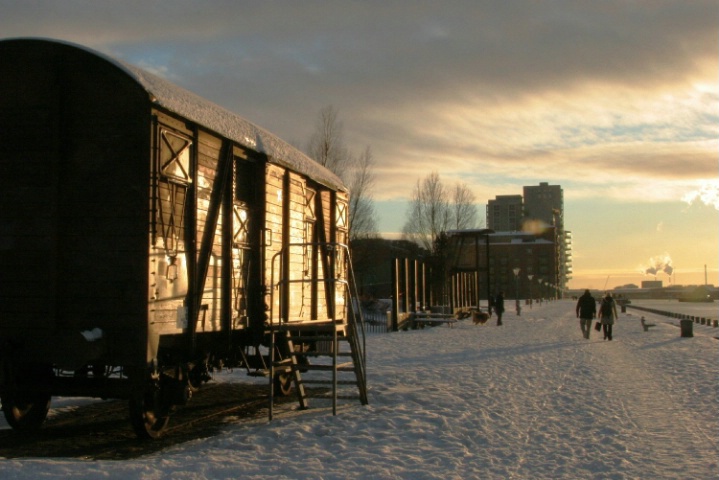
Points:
point(324, 359)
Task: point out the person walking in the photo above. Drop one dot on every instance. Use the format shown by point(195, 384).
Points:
point(607, 315)
point(499, 306)
point(586, 311)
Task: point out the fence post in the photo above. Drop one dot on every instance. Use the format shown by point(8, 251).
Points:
point(686, 328)
point(395, 295)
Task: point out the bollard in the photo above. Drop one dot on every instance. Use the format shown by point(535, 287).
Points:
point(703, 321)
point(716, 323)
point(687, 328)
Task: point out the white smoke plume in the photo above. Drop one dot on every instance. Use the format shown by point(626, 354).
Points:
point(708, 194)
point(658, 264)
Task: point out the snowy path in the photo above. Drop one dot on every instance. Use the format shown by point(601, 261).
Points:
point(653, 402)
point(529, 400)
point(544, 403)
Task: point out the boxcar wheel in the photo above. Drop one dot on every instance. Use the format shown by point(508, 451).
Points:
point(26, 411)
point(149, 414)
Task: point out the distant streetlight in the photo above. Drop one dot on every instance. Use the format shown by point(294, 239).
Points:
point(531, 299)
point(516, 290)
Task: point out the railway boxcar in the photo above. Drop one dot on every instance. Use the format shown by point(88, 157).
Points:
point(148, 235)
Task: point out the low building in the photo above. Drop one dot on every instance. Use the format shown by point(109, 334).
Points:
point(520, 264)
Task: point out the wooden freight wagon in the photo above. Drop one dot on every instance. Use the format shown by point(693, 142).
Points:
point(148, 236)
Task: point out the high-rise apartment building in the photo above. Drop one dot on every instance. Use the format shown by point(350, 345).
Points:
point(504, 213)
point(541, 206)
point(544, 202)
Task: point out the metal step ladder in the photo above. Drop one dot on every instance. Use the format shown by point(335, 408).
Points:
point(326, 358)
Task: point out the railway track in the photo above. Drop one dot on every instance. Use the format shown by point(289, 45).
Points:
point(102, 431)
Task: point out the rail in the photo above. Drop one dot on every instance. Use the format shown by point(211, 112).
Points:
point(710, 322)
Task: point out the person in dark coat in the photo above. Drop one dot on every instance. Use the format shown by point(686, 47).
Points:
point(586, 311)
point(607, 314)
point(499, 306)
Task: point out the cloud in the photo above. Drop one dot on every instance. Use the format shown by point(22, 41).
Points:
point(707, 193)
point(617, 98)
point(658, 264)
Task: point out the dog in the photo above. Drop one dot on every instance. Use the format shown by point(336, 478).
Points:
point(479, 317)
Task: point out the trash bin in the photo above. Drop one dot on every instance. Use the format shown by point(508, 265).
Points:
point(687, 327)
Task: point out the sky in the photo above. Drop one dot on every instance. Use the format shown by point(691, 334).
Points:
point(616, 101)
point(529, 400)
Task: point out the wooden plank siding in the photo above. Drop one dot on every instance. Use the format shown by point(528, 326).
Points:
point(274, 194)
point(168, 292)
point(209, 151)
point(300, 297)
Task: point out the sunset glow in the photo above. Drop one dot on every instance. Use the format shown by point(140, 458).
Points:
point(617, 102)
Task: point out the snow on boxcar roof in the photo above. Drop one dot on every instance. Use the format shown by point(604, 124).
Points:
point(230, 125)
point(215, 118)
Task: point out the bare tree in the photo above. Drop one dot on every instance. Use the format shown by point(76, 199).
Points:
point(363, 223)
point(434, 209)
point(464, 209)
point(326, 145)
point(429, 212)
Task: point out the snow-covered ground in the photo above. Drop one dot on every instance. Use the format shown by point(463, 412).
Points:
point(531, 399)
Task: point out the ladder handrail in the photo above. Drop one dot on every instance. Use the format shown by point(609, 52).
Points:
point(353, 285)
point(280, 254)
point(352, 314)
point(349, 283)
